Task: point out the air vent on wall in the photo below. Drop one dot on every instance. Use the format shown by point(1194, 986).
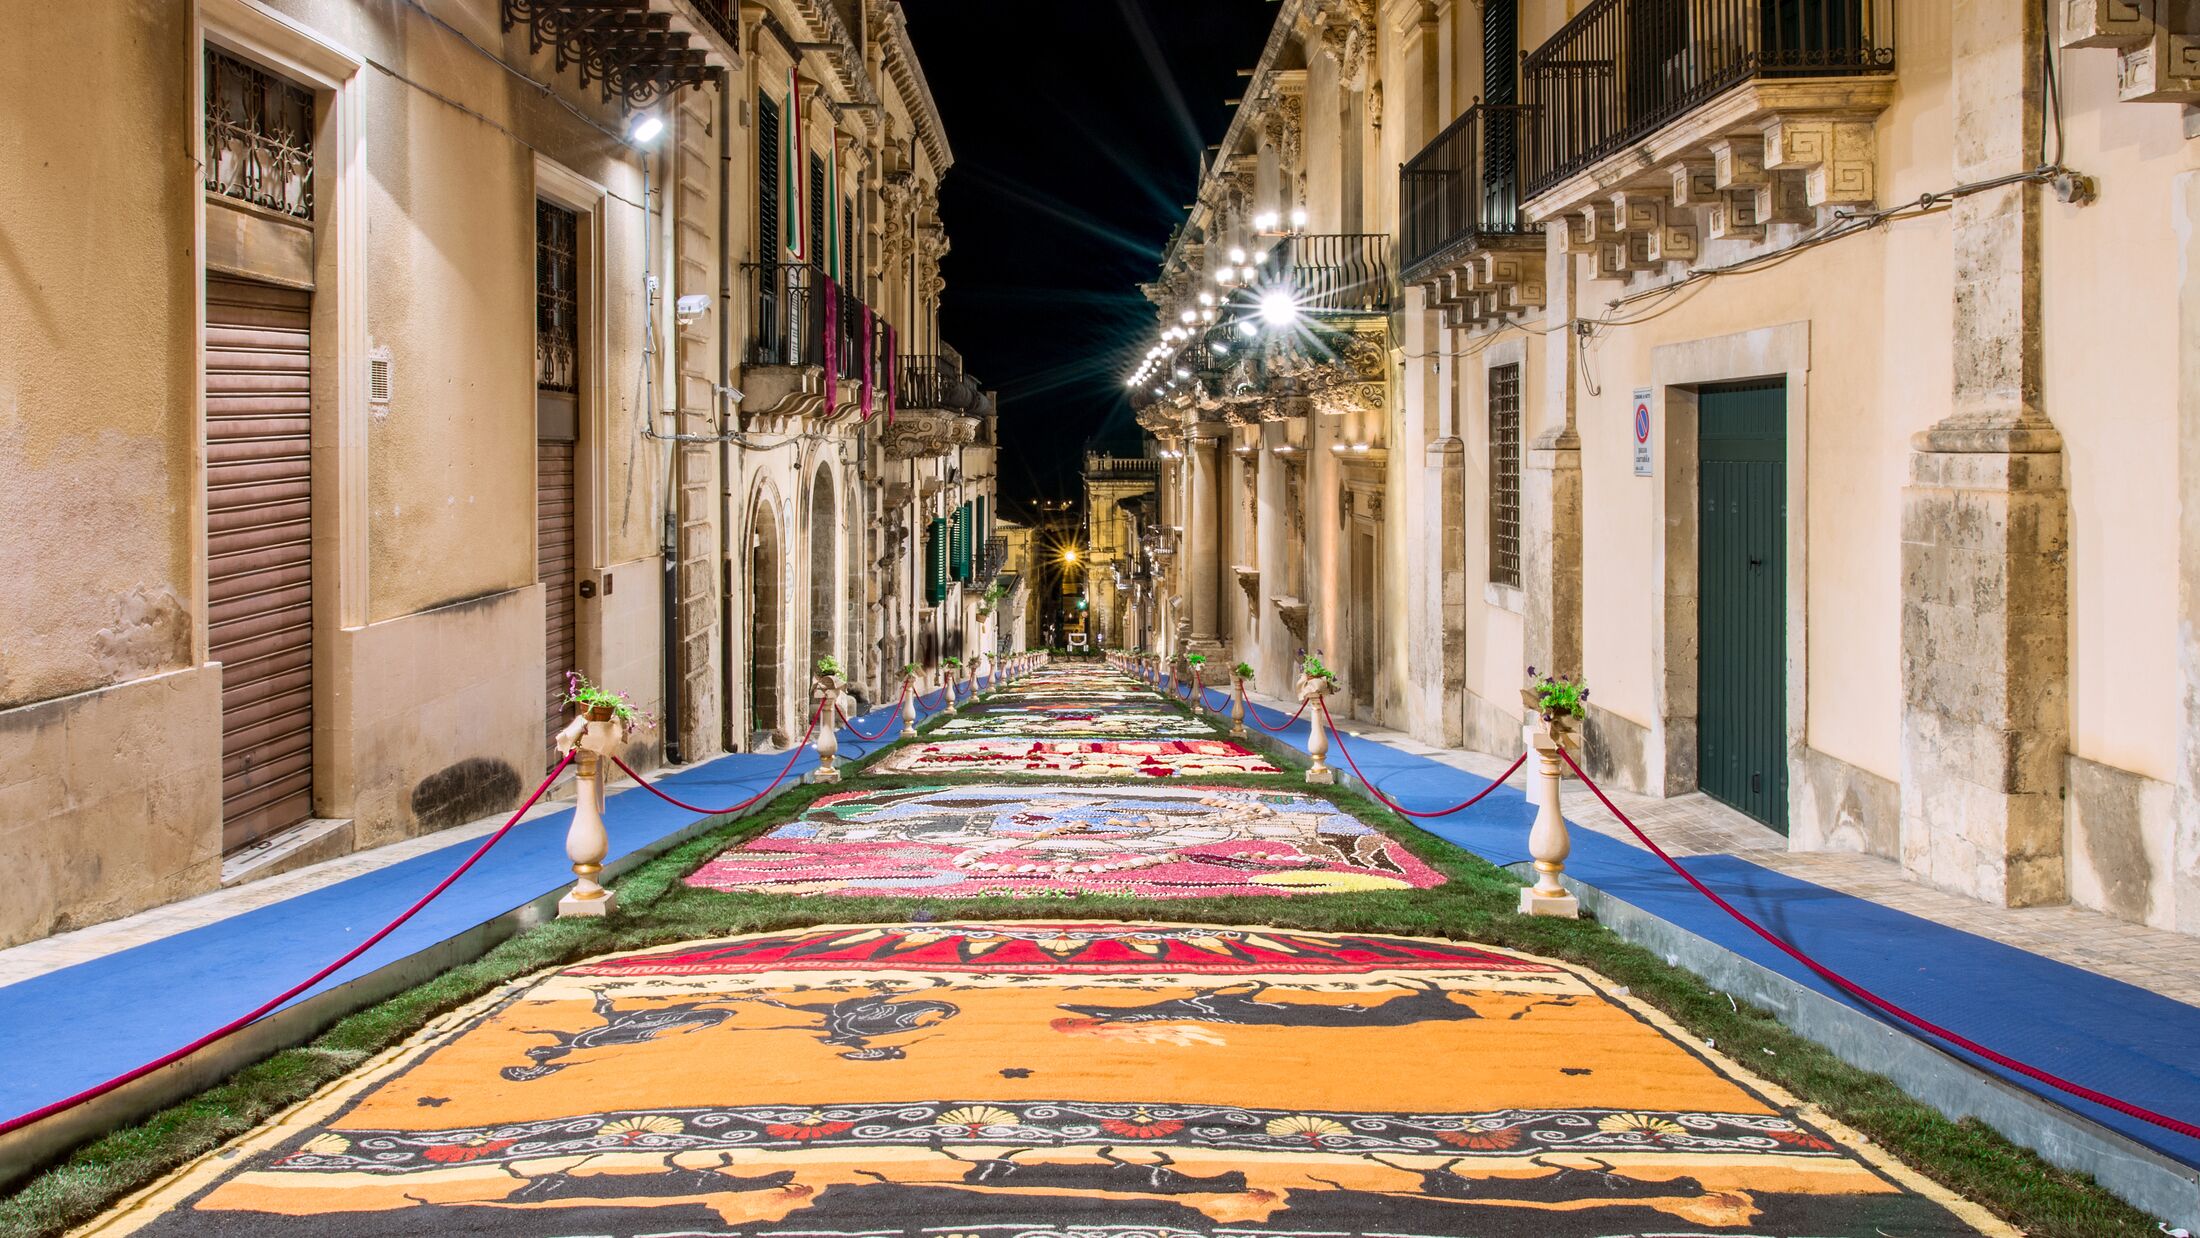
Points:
point(378, 378)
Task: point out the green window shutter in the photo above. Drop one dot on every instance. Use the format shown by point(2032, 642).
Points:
point(985, 529)
point(962, 542)
point(935, 561)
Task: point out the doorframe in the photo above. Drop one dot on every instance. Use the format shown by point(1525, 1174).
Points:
point(588, 200)
point(340, 417)
point(1677, 371)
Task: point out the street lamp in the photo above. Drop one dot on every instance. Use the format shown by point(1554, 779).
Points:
point(1278, 310)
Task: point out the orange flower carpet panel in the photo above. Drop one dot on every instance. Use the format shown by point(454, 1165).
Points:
point(1013, 1080)
point(1176, 840)
point(1075, 758)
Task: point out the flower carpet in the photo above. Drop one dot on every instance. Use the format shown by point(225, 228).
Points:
point(1101, 1079)
point(1164, 758)
point(1169, 841)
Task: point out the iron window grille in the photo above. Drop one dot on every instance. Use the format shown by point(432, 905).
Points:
point(259, 136)
point(1505, 475)
point(557, 298)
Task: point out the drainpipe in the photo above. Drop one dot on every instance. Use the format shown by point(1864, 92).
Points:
point(670, 549)
point(725, 410)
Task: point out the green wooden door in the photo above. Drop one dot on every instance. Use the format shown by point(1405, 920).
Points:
point(1741, 693)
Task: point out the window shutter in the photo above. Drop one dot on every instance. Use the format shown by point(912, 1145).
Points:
point(935, 561)
point(770, 242)
point(962, 542)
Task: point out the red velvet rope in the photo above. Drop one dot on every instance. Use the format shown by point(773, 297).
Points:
point(650, 787)
point(1877, 1002)
point(1394, 805)
point(243, 1021)
point(882, 730)
point(1253, 711)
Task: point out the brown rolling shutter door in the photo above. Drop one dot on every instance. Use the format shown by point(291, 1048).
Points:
point(554, 564)
point(259, 551)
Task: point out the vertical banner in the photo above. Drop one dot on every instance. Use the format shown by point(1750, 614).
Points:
point(833, 239)
point(870, 357)
point(830, 290)
point(796, 189)
point(893, 372)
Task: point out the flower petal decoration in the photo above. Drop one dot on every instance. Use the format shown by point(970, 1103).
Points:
point(975, 1118)
point(1481, 1137)
point(634, 1130)
point(1640, 1124)
point(1307, 1127)
point(470, 1150)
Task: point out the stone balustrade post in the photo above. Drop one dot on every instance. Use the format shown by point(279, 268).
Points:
point(1238, 687)
point(1548, 842)
point(592, 738)
point(825, 692)
point(1311, 689)
point(909, 694)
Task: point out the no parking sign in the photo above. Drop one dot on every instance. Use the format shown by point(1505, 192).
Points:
point(1642, 431)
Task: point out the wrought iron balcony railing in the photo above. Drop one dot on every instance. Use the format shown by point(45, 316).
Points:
point(1342, 272)
point(992, 558)
point(934, 381)
point(787, 320)
point(1621, 69)
point(1464, 186)
point(786, 313)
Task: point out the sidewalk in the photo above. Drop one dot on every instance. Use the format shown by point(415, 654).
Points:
point(2110, 1005)
point(82, 1007)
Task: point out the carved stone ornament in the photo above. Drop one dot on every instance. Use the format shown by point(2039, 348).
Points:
point(923, 433)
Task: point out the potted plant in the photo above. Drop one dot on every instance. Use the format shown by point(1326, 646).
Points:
point(604, 705)
point(1560, 701)
point(828, 667)
point(1243, 671)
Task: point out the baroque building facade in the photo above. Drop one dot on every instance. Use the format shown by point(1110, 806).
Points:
point(1810, 376)
point(469, 343)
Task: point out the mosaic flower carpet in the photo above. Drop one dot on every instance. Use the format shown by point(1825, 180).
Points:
point(1103, 1080)
point(1174, 841)
point(1074, 758)
point(1074, 721)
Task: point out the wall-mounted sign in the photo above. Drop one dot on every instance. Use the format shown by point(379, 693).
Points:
point(1641, 427)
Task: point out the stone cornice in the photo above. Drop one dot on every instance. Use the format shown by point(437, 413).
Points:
point(908, 74)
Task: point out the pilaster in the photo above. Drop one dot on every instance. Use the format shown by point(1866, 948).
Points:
point(1550, 492)
point(1985, 579)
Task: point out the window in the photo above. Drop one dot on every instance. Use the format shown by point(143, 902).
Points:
point(962, 542)
point(1505, 475)
point(816, 250)
point(935, 561)
point(557, 302)
point(259, 136)
point(767, 180)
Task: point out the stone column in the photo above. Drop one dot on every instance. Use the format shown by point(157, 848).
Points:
point(1985, 619)
point(1202, 537)
point(1550, 490)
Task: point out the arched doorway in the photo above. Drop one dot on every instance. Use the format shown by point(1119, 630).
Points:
point(824, 568)
point(766, 606)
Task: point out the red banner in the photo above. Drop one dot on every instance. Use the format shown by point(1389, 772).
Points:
point(870, 357)
point(831, 293)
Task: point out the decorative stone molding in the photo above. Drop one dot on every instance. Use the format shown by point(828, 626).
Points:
point(1340, 372)
point(924, 433)
point(1293, 613)
point(1500, 278)
point(2154, 63)
point(1771, 151)
point(1248, 580)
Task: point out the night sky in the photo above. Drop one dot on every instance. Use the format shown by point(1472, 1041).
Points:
point(1077, 128)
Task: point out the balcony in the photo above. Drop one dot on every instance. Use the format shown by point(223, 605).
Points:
point(937, 406)
point(799, 321)
point(636, 51)
point(1660, 123)
point(1463, 237)
point(1341, 273)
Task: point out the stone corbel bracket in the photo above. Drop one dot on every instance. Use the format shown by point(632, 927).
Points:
point(2154, 62)
point(1293, 613)
point(1772, 151)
